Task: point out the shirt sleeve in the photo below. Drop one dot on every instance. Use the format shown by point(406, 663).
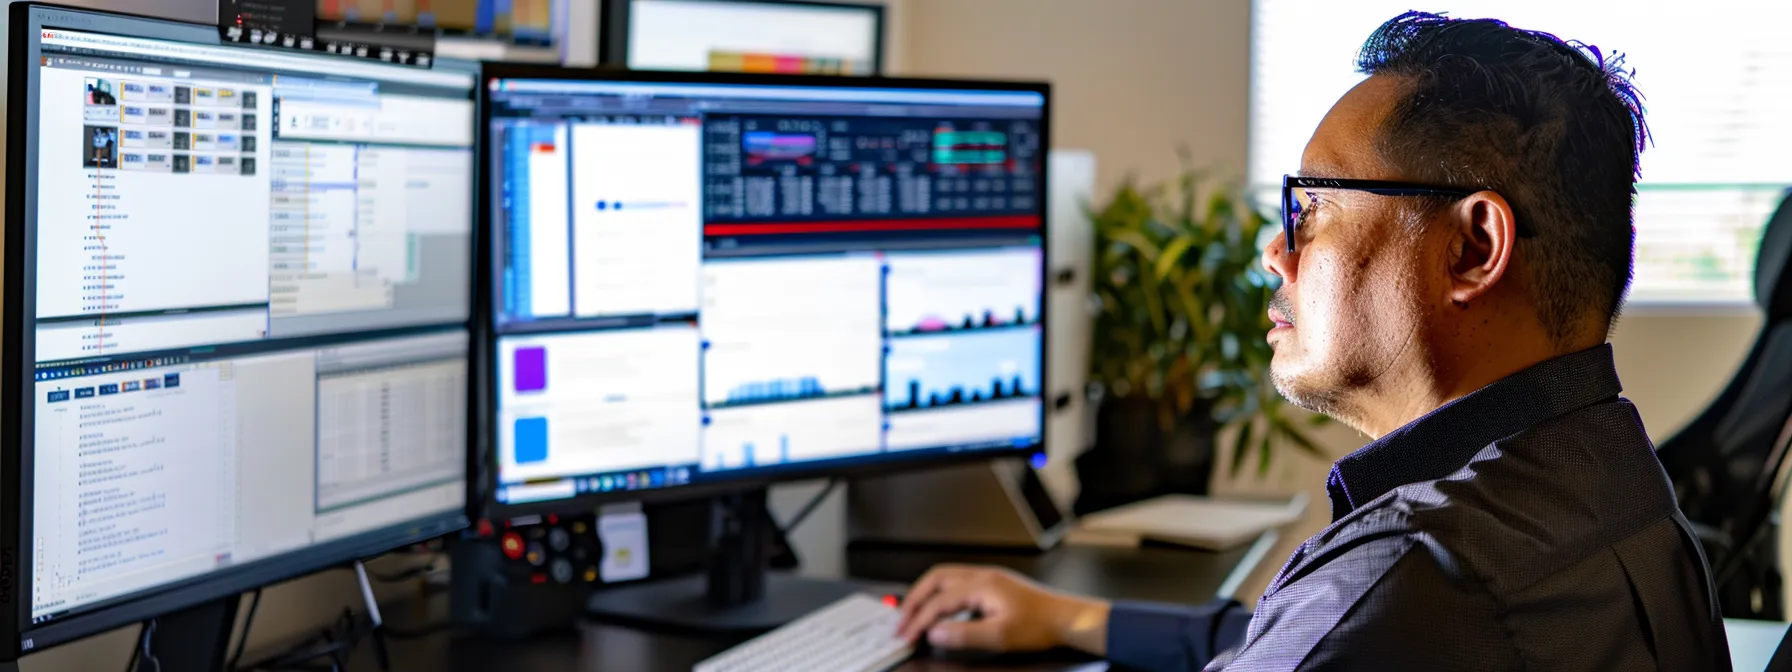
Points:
point(1421, 617)
point(1173, 638)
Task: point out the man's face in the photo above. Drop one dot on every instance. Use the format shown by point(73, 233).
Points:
point(1353, 295)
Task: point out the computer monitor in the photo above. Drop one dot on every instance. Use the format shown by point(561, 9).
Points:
point(755, 36)
point(236, 316)
point(705, 282)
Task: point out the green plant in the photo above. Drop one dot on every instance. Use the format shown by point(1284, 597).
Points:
point(1182, 310)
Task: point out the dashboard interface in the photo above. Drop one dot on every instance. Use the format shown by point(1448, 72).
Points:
point(250, 273)
point(696, 282)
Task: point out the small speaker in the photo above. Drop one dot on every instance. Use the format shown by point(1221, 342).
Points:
point(996, 504)
point(515, 579)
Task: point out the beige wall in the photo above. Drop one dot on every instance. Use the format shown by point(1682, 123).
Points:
point(1132, 80)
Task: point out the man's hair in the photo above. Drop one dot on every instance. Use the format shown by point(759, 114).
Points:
point(1555, 127)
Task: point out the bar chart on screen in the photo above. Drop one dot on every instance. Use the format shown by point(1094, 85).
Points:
point(959, 369)
point(962, 291)
point(968, 388)
point(788, 329)
point(772, 434)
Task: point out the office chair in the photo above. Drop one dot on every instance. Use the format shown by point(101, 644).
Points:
point(1727, 464)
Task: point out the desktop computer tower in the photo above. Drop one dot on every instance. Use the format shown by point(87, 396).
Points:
point(996, 504)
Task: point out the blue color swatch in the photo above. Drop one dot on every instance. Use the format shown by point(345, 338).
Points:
point(531, 440)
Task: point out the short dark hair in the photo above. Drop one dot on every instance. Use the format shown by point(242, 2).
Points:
point(1555, 127)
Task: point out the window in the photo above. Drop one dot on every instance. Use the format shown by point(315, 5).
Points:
point(1714, 77)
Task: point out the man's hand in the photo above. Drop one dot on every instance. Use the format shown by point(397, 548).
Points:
point(1015, 614)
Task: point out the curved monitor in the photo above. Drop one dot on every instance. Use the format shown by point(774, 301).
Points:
point(236, 315)
point(713, 281)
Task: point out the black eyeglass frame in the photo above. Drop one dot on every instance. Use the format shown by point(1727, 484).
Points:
point(1291, 211)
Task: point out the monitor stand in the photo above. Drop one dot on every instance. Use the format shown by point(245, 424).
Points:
point(737, 595)
point(195, 638)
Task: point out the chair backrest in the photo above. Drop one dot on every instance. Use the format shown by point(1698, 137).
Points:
point(1773, 284)
point(1720, 462)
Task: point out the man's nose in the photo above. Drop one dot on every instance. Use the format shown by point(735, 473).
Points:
point(1278, 260)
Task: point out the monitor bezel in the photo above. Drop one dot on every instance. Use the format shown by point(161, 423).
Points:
point(618, 23)
point(485, 292)
point(17, 359)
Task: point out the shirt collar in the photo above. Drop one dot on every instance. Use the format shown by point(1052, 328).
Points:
point(1445, 439)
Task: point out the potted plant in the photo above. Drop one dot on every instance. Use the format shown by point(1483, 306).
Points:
point(1180, 302)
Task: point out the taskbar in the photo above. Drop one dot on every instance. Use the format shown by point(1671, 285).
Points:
point(568, 487)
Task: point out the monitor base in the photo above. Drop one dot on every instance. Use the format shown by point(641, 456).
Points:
point(737, 595)
point(681, 604)
point(196, 638)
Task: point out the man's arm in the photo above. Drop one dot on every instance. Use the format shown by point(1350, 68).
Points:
point(1388, 604)
point(1173, 638)
point(1019, 615)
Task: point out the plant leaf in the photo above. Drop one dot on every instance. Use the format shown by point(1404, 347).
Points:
point(1299, 439)
point(1240, 445)
point(1180, 321)
point(1138, 242)
point(1172, 254)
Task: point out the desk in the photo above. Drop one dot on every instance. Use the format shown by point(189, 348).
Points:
point(1753, 643)
point(1161, 574)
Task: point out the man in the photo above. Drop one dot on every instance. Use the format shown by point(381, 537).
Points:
point(1452, 259)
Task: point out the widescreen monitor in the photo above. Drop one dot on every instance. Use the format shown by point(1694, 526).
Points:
point(753, 36)
point(703, 279)
point(236, 326)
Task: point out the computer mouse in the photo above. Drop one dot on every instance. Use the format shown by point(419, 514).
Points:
point(926, 648)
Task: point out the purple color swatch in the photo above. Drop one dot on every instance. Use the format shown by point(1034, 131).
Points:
point(531, 369)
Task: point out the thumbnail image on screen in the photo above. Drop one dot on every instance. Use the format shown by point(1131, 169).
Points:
point(698, 281)
point(251, 278)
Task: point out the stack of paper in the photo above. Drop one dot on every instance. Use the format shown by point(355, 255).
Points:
point(1188, 520)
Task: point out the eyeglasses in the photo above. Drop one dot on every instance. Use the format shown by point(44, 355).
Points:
point(1292, 210)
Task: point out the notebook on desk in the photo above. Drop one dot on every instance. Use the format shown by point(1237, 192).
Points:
point(1214, 524)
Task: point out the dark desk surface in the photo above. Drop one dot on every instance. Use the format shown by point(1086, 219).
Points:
point(1160, 574)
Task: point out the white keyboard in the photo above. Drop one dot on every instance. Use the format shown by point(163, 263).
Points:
point(855, 634)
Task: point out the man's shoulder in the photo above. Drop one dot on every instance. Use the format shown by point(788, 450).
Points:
point(1537, 502)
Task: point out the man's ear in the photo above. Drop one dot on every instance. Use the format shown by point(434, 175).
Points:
point(1481, 252)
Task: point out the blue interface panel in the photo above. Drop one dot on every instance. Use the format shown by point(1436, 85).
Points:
point(701, 282)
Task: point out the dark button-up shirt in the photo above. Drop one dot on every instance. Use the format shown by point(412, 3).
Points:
point(1526, 526)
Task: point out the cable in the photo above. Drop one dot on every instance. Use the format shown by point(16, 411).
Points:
point(243, 640)
point(326, 645)
point(407, 574)
point(148, 658)
point(803, 513)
